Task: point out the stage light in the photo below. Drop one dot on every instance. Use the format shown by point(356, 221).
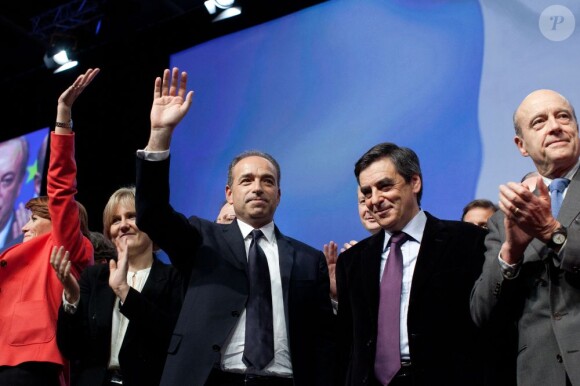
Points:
point(223, 8)
point(59, 61)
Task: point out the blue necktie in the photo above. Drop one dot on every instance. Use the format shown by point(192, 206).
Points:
point(557, 187)
point(259, 339)
point(388, 354)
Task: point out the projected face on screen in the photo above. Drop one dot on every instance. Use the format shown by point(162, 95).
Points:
point(21, 163)
point(13, 158)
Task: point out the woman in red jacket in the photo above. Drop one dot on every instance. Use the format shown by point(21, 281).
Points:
point(30, 292)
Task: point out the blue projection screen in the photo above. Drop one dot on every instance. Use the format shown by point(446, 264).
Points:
point(318, 88)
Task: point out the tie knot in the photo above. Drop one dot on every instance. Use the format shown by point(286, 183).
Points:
point(559, 184)
point(256, 234)
point(398, 238)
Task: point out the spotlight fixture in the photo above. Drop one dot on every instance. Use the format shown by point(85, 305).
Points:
point(58, 54)
point(223, 9)
point(59, 61)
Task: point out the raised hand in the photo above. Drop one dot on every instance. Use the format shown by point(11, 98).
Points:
point(69, 96)
point(171, 101)
point(59, 260)
point(118, 270)
point(330, 251)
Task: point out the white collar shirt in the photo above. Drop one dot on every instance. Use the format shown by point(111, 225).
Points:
point(233, 350)
point(410, 250)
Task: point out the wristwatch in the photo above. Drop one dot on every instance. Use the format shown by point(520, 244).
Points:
point(558, 238)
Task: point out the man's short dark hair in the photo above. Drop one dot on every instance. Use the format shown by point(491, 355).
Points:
point(479, 203)
point(253, 153)
point(405, 160)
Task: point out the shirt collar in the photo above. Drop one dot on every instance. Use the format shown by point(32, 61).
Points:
point(568, 175)
point(268, 230)
point(414, 229)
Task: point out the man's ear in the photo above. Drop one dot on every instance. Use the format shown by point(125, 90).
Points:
point(520, 144)
point(229, 197)
point(416, 183)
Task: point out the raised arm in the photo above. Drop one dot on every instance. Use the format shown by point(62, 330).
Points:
point(68, 97)
point(61, 183)
point(171, 101)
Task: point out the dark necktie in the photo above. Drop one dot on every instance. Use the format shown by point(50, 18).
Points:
point(388, 355)
point(259, 340)
point(557, 187)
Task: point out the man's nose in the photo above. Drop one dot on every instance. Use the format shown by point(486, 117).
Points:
point(555, 125)
point(376, 198)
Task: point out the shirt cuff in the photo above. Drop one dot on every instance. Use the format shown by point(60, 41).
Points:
point(69, 308)
point(509, 271)
point(148, 155)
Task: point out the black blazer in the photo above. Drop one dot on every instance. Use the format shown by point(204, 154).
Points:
point(213, 258)
point(443, 341)
point(85, 337)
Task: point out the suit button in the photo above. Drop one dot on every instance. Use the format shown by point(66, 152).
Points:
point(215, 348)
point(235, 314)
point(369, 343)
point(576, 269)
point(559, 358)
point(3, 263)
point(365, 379)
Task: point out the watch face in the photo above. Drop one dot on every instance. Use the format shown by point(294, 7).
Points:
point(559, 238)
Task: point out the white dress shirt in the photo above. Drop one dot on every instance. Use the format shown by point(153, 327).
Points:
point(119, 326)
point(233, 350)
point(410, 250)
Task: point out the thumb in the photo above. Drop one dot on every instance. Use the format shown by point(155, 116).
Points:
point(542, 188)
point(112, 265)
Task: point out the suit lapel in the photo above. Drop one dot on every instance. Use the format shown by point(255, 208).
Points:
point(371, 270)
point(104, 299)
point(155, 281)
point(435, 237)
point(234, 246)
point(286, 256)
point(571, 204)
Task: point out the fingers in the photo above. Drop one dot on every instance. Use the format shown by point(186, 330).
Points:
point(59, 260)
point(165, 83)
point(174, 81)
point(157, 88)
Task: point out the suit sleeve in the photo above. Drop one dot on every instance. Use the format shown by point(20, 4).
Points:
point(64, 212)
point(344, 322)
point(570, 254)
point(492, 293)
point(326, 344)
point(168, 229)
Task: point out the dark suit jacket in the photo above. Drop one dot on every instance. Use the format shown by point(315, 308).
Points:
point(544, 299)
point(85, 337)
point(443, 341)
point(213, 257)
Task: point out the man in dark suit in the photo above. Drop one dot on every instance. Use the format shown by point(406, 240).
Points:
point(427, 274)
point(531, 275)
point(216, 336)
point(13, 159)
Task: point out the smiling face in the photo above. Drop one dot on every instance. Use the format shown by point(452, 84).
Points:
point(36, 226)
point(366, 216)
point(123, 226)
point(254, 191)
point(391, 199)
point(548, 132)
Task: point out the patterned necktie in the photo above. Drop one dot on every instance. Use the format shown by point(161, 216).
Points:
point(259, 340)
point(557, 187)
point(388, 355)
